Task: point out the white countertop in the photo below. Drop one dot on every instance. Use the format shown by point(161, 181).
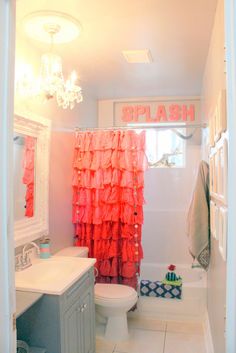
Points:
point(54, 275)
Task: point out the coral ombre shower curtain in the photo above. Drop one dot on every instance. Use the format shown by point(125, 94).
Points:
point(108, 201)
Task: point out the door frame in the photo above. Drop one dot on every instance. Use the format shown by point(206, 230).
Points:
point(7, 293)
point(230, 40)
point(7, 64)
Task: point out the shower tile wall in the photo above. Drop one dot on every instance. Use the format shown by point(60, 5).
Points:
point(168, 194)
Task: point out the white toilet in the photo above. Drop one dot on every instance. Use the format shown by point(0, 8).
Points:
point(112, 301)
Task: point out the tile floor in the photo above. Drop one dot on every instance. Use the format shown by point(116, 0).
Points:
point(155, 336)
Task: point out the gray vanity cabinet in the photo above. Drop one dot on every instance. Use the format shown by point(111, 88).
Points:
point(62, 324)
point(88, 330)
point(72, 330)
point(78, 325)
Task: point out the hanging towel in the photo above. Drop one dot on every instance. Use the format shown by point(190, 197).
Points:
point(198, 221)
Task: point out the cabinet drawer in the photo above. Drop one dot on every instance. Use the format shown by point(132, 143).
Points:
point(77, 289)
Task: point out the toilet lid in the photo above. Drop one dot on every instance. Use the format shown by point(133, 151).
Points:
point(113, 291)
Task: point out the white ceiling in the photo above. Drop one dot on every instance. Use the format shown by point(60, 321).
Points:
point(176, 31)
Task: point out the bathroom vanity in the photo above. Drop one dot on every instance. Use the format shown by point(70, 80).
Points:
point(63, 322)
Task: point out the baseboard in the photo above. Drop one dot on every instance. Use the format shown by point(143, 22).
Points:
point(207, 335)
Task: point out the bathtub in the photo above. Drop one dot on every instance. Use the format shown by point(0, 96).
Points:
point(192, 306)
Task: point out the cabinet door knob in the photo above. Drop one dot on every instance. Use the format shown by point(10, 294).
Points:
point(85, 306)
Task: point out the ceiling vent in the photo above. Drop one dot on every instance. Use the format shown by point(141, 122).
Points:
point(138, 56)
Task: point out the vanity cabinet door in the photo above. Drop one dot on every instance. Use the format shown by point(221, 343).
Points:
point(87, 316)
point(79, 317)
point(79, 325)
point(72, 329)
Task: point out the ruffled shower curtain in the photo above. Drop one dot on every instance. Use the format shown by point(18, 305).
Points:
point(108, 201)
point(28, 174)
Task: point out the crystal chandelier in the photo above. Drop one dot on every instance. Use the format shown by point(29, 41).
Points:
point(51, 82)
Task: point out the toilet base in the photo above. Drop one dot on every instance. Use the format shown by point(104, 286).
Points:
point(117, 328)
point(100, 319)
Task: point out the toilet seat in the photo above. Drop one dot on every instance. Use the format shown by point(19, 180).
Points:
point(113, 291)
point(114, 295)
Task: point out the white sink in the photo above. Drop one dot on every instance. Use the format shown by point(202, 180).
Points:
point(53, 275)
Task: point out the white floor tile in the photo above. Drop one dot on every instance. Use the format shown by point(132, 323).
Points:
point(141, 341)
point(146, 324)
point(103, 346)
point(185, 327)
point(184, 343)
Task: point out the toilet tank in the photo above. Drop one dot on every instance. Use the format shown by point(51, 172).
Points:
point(74, 251)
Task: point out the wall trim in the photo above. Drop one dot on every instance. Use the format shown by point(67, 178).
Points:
point(207, 334)
point(230, 24)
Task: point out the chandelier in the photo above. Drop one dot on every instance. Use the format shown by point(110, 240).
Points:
point(51, 83)
point(51, 80)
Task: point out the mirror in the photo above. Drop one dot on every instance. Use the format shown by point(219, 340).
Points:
point(31, 177)
point(24, 175)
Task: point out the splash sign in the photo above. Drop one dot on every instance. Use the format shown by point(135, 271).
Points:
point(156, 112)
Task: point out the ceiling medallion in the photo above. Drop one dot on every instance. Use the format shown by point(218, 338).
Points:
point(53, 28)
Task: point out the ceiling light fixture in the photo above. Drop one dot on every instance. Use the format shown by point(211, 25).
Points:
point(142, 56)
point(50, 83)
point(51, 80)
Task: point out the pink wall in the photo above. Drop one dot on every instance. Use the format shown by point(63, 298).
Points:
point(61, 156)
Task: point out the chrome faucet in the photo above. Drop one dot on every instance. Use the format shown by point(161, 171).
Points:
point(33, 244)
point(23, 260)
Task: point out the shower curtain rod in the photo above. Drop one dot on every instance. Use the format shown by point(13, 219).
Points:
point(143, 126)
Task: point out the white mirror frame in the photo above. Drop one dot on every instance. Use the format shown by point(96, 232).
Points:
point(29, 229)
